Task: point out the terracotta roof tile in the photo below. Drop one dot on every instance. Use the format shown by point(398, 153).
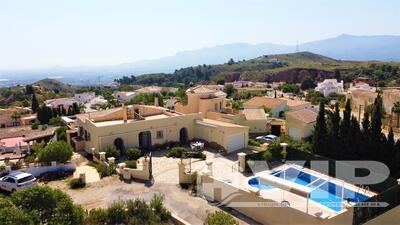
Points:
point(304, 115)
point(264, 101)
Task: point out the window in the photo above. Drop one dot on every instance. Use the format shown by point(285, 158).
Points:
point(9, 180)
point(220, 105)
point(160, 134)
point(216, 106)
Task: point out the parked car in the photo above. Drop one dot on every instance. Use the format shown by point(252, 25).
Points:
point(17, 181)
point(267, 138)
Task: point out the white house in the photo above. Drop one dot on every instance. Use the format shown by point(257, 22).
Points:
point(124, 95)
point(362, 87)
point(84, 97)
point(329, 86)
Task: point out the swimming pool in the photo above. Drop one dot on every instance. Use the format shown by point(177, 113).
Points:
point(325, 192)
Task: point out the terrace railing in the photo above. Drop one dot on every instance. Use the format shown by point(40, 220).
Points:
point(366, 213)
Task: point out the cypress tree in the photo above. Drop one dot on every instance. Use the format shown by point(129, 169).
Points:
point(320, 131)
point(35, 104)
point(345, 128)
point(390, 154)
point(366, 137)
point(377, 143)
point(354, 137)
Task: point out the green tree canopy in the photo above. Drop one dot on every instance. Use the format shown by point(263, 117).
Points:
point(58, 151)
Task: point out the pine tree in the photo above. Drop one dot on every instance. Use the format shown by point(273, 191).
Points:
point(320, 132)
point(35, 104)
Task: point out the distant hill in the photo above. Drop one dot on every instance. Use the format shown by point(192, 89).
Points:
point(351, 47)
point(49, 84)
point(344, 47)
point(291, 68)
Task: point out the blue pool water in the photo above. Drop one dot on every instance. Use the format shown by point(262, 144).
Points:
point(325, 193)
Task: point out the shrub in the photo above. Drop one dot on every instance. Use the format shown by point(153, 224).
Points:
point(44, 127)
point(16, 165)
point(30, 159)
point(254, 142)
point(76, 183)
point(111, 151)
point(220, 218)
point(130, 164)
point(58, 151)
point(2, 169)
point(176, 152)
point(197, 155)
point(156, 204)
point(105, 170)
point(133, 154)
point(35, 125)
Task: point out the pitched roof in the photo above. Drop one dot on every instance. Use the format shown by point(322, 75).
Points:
point(201, 89)
point(60, 101)
point(264, 101)
point(304, 115)
point(254, 114)
point(293, 103)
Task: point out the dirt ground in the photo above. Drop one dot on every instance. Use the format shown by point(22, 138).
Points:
point(165, 172)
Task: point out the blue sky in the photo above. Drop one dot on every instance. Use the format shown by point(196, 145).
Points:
point(41, 33)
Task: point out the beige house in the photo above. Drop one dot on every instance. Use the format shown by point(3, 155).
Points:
point(203, 99)
point(300, 123)
point(145, 126)
point(360, 98)
point(390, 96)
point(276, 105)
point(212, 103)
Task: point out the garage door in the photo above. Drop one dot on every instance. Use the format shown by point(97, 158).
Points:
point(295, 133)
point(236, 142)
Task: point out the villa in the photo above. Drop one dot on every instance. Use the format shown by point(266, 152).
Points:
point(146, 126)
point(56, 103)
point(300, 123)
point(362, 87)
point(84, 97)
point(329, 86)
point(212, 103)
point(124, 95)
point(275, 105)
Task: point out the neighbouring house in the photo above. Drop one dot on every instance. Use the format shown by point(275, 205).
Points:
point(300, 123)
point(13, 144)
point(84, 97)
point(56, 103)
point(156, 89)
point(212, 103)
point(361, 98)
point(389, 97)
point(361, 86)
point(294, 104)
point(203, 98)
point(7, 118)
point(329, 86)
point(125, 95)
point(275, 105)
point(146, 126)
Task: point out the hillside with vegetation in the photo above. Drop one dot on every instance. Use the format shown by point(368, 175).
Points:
point(43, 90)
point(292, 68)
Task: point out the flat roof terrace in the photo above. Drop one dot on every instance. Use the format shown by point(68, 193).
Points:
point(149, 117)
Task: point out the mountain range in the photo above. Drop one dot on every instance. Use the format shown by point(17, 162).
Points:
point(342, 47)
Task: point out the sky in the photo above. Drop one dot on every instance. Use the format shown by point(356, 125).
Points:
point(45, 33)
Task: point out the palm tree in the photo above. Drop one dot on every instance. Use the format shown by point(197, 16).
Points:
point(396, 109)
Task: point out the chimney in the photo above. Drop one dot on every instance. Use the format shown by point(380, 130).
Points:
point(156, 100)
point(125, 113)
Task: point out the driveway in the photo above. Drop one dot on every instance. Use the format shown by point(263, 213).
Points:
point(165, 172)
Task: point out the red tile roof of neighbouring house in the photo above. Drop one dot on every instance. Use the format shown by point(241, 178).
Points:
point(304, 115)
